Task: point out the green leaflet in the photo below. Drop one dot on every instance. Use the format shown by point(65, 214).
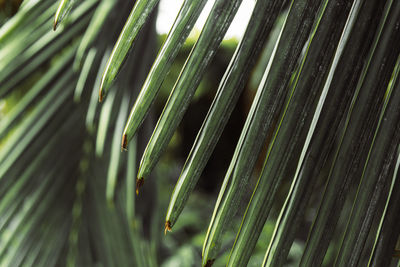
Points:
point(185, 20)
point(77, 208)
point(44, 83)
point(265, 108)
point(138, 17)
point(115, 149)
point(335, 99)
point(32, 245)
point(26, 220)
point(230, 88)
point(93, 29)
point(130, 182)
point(33, 125)
point(40, 155)
point(35, 212)
point(28, 12)
point(62, 11)
point(48, 219)
point(13, 46)
point(360, 124)
point(107, 219)
point(388, 232)
point(83, 76)
point(205, 48)
point(377, 174)
point(12, 167)
point(14, 195)
point(49, 251)
point(284, 150)
point(104, 123)
point(43, 49)
point(93, 103)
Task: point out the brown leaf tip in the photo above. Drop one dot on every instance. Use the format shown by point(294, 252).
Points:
point(209, 263)
point(55, 25)
point(139, 183)
point(124, 144)
point(101, 96)
point(167, 227)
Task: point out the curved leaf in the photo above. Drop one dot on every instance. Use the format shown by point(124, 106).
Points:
point(230, 87)
point(183, 24)
point(138, 17)
point(265, 109)
point(205, 48)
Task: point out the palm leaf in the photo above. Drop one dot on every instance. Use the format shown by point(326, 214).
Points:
point(326, 113)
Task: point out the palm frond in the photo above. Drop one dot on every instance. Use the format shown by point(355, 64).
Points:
point(326, 114)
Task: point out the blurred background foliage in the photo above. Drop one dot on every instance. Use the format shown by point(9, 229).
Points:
point(180, 248)
point(66, 190)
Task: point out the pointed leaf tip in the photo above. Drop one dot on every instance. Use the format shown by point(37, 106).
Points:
point(168, 227)
point(103, 86)
point(139, 183)
point(101, 96)
point(124, 143)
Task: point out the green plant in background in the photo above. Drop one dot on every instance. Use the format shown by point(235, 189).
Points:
point(326, 112)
